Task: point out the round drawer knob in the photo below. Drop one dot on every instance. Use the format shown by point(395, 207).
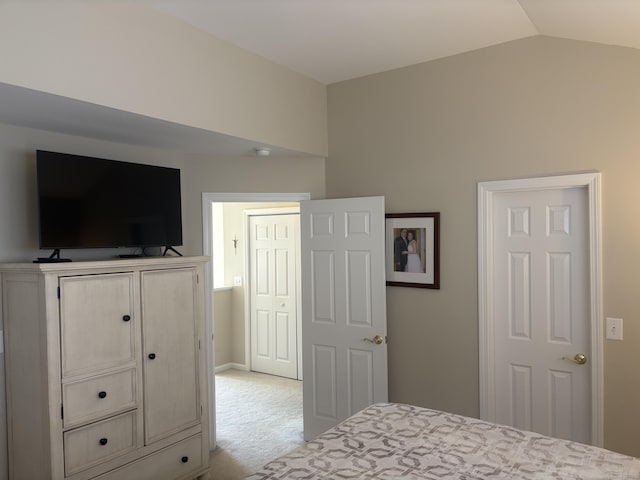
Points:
point(126, 318)
point(152, 356)
point(102, 394)
point(103, 441)
point(185, 459)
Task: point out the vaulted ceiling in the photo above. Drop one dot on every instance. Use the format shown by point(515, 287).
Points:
point(331, 41)
point(335, 40)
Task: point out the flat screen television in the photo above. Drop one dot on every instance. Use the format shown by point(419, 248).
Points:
point(87, 202)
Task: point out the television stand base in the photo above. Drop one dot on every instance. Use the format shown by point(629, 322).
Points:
point(170, 248)
point(53, 258)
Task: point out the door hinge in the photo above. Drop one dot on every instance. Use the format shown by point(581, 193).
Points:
point(62, 411)
point(58, 293)
point(197, 278)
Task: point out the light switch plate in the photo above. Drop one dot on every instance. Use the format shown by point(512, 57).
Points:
point(237, 281)
point(614, 329)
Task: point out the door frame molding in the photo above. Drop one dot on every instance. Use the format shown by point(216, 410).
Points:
point(247, 279)
point(486, 191)
point(207, 199)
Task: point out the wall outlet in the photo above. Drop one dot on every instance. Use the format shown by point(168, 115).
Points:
point(614, 329)
point(237, 281)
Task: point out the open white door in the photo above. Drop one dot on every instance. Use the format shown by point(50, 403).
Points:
point(344, 316)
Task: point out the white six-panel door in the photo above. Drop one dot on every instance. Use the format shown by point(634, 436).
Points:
point(542, 311)
point(273, 251)
point(344, 309)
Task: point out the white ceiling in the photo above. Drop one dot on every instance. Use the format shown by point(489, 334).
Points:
point(330, 41)
point(335, 40)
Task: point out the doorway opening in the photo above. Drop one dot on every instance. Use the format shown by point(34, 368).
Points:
point(226, 232)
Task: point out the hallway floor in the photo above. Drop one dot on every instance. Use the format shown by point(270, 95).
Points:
point(258, 418)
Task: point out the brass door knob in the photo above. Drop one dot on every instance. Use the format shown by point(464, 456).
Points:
point(377, 340)
point(580, 359)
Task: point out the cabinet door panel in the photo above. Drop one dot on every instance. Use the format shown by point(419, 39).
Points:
point(170, 349)
point(95, 334)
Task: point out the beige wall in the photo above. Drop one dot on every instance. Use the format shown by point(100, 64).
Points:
point(423, 136)
point(127, 56)
point(245, 175)
point(233, 267)
point(3, 422)
point(222, 327)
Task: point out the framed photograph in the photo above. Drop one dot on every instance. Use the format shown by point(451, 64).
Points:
point(413, 249)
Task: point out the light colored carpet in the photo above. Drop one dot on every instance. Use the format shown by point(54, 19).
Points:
point(259, 418)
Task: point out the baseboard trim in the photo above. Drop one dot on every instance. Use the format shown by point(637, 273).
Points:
point(231, 366)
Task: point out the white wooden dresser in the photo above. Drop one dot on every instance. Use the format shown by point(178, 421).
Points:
point(106, 369)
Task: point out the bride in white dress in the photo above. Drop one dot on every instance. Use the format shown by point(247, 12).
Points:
point(414, 264)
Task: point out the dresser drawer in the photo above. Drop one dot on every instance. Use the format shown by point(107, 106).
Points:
point(180, 461)
point(98, 442)
point(98, 397)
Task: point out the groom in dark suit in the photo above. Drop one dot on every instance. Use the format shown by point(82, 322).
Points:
point(400, 251)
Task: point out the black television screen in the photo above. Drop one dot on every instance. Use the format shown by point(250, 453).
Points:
point(86, 202)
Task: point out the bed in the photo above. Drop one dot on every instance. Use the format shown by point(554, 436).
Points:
point(389, 441)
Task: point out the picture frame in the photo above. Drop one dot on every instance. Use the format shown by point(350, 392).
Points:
point(405, 267)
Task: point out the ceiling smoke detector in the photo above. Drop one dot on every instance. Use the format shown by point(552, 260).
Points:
point(263, 151)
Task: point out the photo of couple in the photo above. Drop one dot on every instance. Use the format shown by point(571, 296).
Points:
point(407, 254)
point(412, 247)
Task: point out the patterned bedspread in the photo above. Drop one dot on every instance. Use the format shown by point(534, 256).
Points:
point(389, 441)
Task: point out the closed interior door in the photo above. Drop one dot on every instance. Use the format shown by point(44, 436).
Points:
point(273, 298)
point(542, 317)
